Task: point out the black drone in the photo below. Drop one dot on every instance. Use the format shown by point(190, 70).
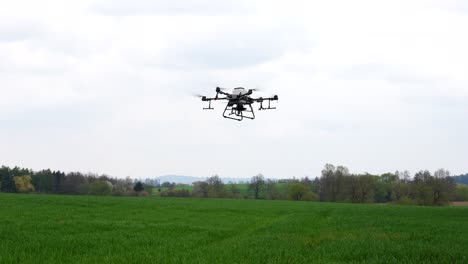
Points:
point(239, 104)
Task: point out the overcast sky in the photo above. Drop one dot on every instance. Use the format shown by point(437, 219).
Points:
point(106, 86)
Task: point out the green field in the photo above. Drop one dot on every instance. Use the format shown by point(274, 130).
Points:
point(87, 229)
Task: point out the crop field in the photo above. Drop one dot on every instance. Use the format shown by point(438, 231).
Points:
point(87, 229)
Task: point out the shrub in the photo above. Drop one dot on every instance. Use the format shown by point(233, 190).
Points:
point(405, 201)
point(138, 187)
point(175, 193)
point(100, 188)
point(461, 193)
point(300, 192)
point(23, 184)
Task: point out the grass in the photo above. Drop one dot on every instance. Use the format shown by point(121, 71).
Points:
point(86, 229)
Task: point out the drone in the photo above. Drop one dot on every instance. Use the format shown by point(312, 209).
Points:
point(239, 105)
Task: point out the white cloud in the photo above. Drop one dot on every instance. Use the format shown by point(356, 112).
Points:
point(177, 7)
point(375, 86)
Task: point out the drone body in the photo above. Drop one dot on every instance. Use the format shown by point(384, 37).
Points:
point(239, 105)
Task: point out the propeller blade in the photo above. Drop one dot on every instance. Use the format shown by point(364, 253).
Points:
point(197, 95)
point(219, 89)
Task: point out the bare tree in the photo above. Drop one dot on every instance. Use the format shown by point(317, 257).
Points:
point(441, 173)
point(256, 184)
point(215, 186)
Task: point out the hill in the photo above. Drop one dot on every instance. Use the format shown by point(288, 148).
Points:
point(462, 179)
point(90, 229)
point(191, 179)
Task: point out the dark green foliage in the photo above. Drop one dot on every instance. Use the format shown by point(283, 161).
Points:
point(6, 177)
point(138, 187)
point(47, 181)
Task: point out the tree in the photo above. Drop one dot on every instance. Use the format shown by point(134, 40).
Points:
point(200, 189)
point(401, 190)
point(74, 183)
point(168, 185)
point(235, 191)
point(7, 175)
point(326, 183)
point(271, 190)
point(441, 173)
point(138, 187)
point(6, 178)
point(256, 185)
point(149, 189)
point(215, 187)
point(433, 190)
point(333, 187)
point(461, 193)
point(123, 186)
point(300, 192)
point(100, 188)
point(23, 184)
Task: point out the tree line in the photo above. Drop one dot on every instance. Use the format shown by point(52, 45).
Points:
point(20, 180)
point(335, 184)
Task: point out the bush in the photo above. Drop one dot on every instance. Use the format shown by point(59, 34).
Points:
point(175, 193)
point(149, 189)
point(84, 188)
point(138, 187)
point(309, 196)
point(300, 192)
point(137, 194)
point(405, 201)
point(100, 188)
point(23, 184)
point(461, 193)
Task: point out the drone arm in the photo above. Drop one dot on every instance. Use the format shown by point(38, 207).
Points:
point(220, 91)
point(206, 99)
point(261, 100)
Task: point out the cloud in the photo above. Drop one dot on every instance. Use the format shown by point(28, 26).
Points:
point(14, 30)
point(232, 46)
point(178, 7)
point(366, 84)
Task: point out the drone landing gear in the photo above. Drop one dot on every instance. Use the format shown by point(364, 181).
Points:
point(235, 114)
point(266, 108)
point(209, 106)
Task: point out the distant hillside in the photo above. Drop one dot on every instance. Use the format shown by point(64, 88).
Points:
point(462, 179)
point(191, 179)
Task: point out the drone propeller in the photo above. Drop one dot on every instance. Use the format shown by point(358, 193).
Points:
point(219, 89)
point(197, 95)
